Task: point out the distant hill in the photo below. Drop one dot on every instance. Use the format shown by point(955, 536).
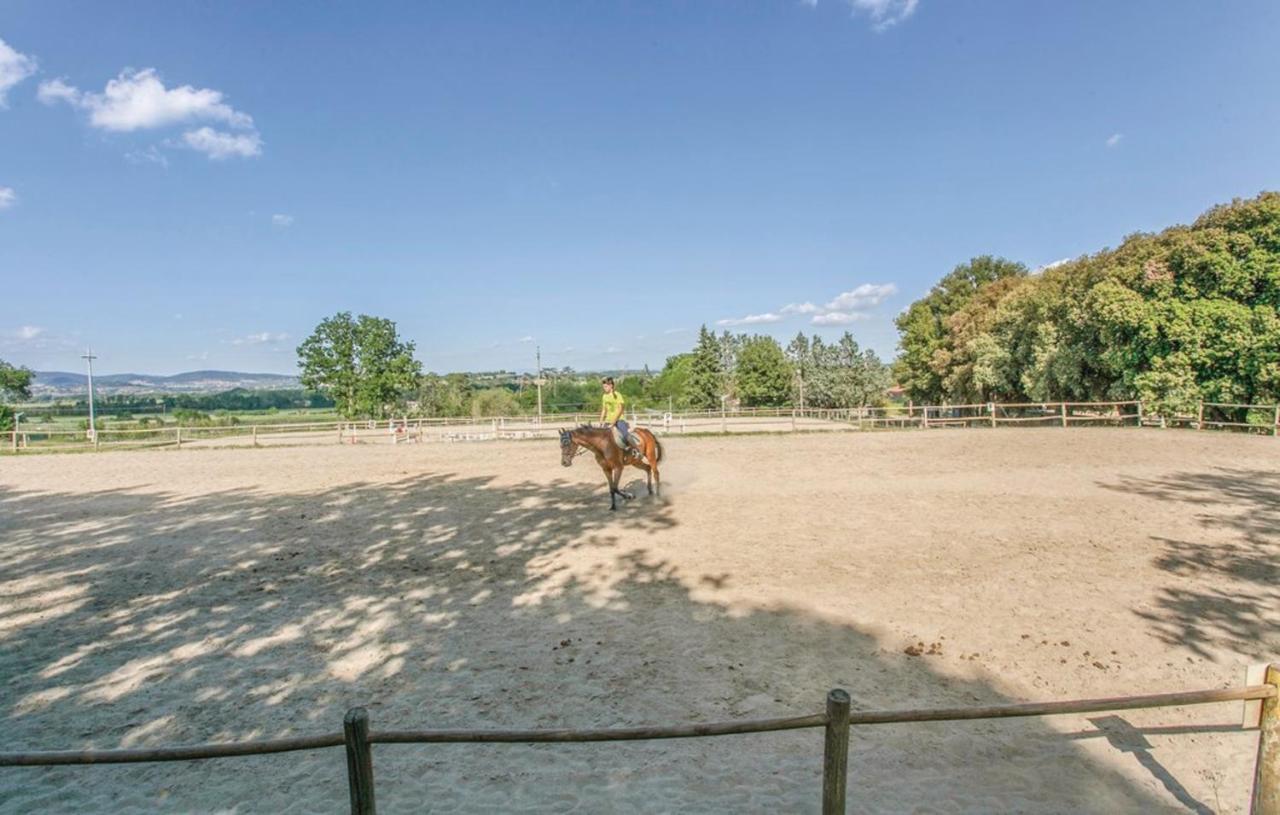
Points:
point(61, 383)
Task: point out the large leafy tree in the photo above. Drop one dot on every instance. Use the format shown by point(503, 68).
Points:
point(705, 383)
point(669, 386)
point(923, 326)
point(361, 363)
point(762, 376)
point(15, 383)
point(1173, 318)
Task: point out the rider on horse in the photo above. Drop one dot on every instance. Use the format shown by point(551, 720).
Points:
point(611, 409)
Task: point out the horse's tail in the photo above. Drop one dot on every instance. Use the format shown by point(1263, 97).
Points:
point(657, 442)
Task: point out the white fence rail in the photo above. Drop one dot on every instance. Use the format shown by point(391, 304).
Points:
point(1261, 419)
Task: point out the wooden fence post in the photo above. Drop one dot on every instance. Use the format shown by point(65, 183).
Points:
point(1139, 404)
point(255, 435)
point(991, 408)
point(1064, 414)
point(178, 437)
point(835, 754)
point(1275, 423)
point(1200, 417)
point(15, 436)
point(1266, 774)
point(924, 416)
point(355, 727)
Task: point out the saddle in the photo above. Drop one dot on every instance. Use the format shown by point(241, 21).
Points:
point(631, 445)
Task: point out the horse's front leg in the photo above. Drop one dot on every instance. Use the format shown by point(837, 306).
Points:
point(617, 479)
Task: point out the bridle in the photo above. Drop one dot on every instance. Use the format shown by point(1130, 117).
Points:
point(567, 440)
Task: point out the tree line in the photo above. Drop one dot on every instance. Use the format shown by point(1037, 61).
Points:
point(362, 365)
point(1172, 318)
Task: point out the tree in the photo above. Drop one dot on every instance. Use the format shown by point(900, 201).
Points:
point(670, 386)
point(923, 327)
point(494, 402)
point(1190, 314)
point(362, 364)
point(15, 384)
point(705, 383)
point(444, 395)
point(762, 376)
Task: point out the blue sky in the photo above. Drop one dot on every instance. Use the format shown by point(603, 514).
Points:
point(196, 185)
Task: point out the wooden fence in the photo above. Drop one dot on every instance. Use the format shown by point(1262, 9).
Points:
point(836, 721)
point(1264, 419)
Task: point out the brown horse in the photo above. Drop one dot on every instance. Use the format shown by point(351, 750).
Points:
point(611, 458)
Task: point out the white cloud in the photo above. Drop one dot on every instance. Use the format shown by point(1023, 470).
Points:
point(885, 13)
point(149, 156)
point(837, 317)
point(53, 91)
point(261, 338)
point(14, 67)
point(281, 220)
point(675, 331)
point(525, 339)
point(752, 319)
point(217, 144)
point(842, 309)
point(612, 349)
point(864, 296)
point(1114, 139)
point(1046, 267)
point(138, 100)
point(7, 197)
point(28, 332)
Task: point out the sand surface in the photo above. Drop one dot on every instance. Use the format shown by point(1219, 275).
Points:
point(183, 596)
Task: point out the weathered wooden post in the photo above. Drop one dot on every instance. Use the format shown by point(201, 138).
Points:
point(1200, 417)
point(1266, 777)
point(1139, 405)
point(355, 727)
point(991, 408)
point(924, 416)
point(15, 436)
point(1275, 423)
point(178, 437)
point(1064, 414)
point(255, 435)
point(835, 754)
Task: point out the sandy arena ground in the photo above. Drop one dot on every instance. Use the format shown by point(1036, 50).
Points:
point(184, 596)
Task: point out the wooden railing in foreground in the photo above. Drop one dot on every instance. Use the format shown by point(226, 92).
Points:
point(836, 722)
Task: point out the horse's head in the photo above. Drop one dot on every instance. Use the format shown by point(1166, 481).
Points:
point(566, 448)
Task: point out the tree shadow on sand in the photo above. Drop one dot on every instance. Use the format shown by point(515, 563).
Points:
point(139, 617)
point(1242, 615)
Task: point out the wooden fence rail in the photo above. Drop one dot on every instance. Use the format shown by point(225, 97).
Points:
point(1223, 416)
point(836, 721)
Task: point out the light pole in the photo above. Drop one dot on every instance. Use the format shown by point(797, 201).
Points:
point(88, 357)
point(539, 381)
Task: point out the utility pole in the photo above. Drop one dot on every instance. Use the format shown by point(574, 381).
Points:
point(88, 357)
point(539, 350)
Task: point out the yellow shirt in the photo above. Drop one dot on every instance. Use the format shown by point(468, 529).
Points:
point(612, 407)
